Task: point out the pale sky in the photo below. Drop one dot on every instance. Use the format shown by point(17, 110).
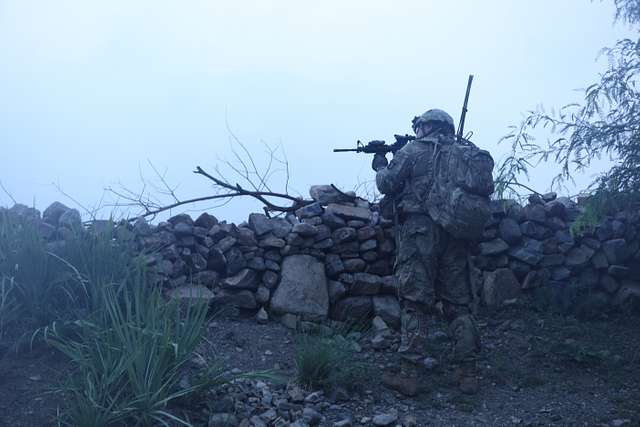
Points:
point(93, 90)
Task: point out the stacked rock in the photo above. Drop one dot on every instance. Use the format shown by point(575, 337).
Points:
point(540, 244)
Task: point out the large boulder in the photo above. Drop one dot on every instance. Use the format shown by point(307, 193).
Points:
point(303, 287)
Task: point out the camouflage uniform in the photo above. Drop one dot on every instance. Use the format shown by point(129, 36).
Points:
point(431, 267)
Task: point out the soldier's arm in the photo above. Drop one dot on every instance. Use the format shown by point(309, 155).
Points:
point(391, 179)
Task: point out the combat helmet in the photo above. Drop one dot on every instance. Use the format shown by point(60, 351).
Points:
point(433, 115)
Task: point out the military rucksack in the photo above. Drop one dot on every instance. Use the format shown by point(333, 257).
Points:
point(462, 183)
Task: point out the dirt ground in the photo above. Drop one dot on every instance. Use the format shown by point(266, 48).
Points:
point(535, 370)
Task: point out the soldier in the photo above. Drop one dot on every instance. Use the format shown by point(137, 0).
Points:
point(432, 266)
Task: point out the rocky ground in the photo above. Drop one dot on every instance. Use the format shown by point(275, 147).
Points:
point(535, 370)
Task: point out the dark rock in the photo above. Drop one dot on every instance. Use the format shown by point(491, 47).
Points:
point(357, 308)
point(627, 295)
point(270, 279)
point(271, 265)
point(509, 231)
point(326, 194)
point(344, 234)
point(256, 263)
point(534, 230)
point(304, 229)
point(552, 260)
point(356, 223)
point(354, 265)
point(370, 256)
point(181, 219)
point(519, 268)
point(225, 244)
point(350, 212)
point(337, 290)
point(599, 260)
point(531, 252)
point(555, 223)
point(260, 224)
point(608, 283)
point(246, 237)
point(244, 299)
point(198, 262)
point(262, 295)
point(579, 256)
point(281, 227)
point(365, 284)
point(618, 228)
point(235, 261)
point(273, 255)
point(616, 251)
point(323, 232)
point(380, 267)
point(618, 271)
point(387, 246)
point(333, 220)
point(334, 265)
point(368, 245)
point(556, 209)
point(535, 213)
point(388, 308)
point(216, 261)
point(588, 279)
point(493, 247)
point(245, 279)
point(366, 233)
point(271, 242)
point(323, 244)
point(560, 274)
point(491, 262)
point(591, 243)
point(314, 209)
point(206, 220)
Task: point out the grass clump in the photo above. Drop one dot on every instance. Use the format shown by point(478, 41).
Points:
point(325, 359)
point(129, 356)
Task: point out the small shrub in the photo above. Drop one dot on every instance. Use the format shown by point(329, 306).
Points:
point(129, 355)
point(327, 361)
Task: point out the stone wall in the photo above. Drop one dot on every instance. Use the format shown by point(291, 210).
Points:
point(534, 246)
point(334, 258)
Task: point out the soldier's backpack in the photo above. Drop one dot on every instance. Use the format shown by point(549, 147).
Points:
point(462, 183)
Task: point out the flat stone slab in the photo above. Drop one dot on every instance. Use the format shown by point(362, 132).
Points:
point(302, 288)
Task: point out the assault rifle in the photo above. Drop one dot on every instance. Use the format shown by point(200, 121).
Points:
point(378, 146)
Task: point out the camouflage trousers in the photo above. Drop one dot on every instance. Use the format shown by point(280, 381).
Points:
point(432, 271)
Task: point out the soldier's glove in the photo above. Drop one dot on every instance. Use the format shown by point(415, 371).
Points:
point(379, 162)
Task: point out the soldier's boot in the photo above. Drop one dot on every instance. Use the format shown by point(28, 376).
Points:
point(466, 345)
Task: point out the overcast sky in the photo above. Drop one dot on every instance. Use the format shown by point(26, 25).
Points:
point(93, 90)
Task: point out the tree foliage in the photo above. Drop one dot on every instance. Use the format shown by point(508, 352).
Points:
point(606, 123)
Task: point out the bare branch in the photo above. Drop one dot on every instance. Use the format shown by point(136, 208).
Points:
point(7, 193)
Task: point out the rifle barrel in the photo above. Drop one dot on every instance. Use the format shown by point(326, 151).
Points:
point(342, 150)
